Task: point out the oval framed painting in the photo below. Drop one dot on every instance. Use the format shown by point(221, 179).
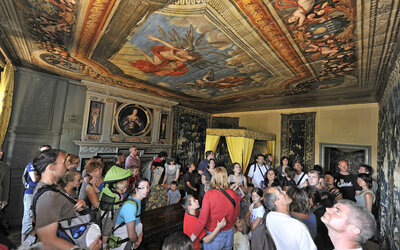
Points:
point(133, 120)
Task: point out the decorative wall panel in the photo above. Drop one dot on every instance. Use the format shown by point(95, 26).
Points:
point(388, 162)
point(297, 139)
point(189, 134)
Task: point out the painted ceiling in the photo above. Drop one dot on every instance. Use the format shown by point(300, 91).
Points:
point(212, 55)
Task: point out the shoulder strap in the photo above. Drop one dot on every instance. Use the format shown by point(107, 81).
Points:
point(44, 189)
point(301, 178)
point(131, 200)
point(24, 177)
point(229, 197)
point(114, 222)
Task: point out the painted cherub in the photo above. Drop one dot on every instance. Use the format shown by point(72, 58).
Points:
point(299, 15)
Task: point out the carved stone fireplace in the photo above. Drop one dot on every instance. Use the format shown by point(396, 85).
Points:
point(116, 119)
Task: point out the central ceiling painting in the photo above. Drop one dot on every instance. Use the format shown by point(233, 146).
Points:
point(214, 55)
point(189, 55)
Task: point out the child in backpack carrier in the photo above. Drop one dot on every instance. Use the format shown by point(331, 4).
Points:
point(127, 227)
point(112, 197)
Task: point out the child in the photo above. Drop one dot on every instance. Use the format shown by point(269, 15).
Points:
point(247, 197)
point(134, 177)
point(255, 217)
point(256, 209)
point(190, 186)
point(241, 238)
point(191, 206)
point(174, 196)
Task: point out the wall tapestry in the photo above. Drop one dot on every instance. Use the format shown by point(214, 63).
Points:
point(189, 135)
point(298, 136)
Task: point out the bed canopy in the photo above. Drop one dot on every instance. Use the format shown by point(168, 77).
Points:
point(240, 143)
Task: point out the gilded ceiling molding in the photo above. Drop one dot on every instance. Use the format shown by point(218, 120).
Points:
point(227, 18)
point(96, 15)
point(385, 37)
point(10, 18)
point(262, 19)
point(119, 94)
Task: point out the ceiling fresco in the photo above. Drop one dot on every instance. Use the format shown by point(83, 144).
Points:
point(213, 55)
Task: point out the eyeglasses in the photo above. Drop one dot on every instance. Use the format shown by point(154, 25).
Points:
point(280, 191)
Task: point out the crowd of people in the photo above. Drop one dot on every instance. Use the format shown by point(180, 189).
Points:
point(280, 207)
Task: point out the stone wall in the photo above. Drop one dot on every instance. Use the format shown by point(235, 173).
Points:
point(388, 161)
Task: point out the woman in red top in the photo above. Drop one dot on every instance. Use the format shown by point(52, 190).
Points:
point(218, 203)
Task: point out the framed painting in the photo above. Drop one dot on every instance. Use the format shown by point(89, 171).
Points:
point(133, 120)
point(95, 118)
point(163, 126)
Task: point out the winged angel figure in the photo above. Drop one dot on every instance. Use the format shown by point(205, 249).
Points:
point(172, 58)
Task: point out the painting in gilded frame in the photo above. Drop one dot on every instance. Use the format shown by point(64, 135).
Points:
point(95, 118)
point(133, 120)
point(163, 126)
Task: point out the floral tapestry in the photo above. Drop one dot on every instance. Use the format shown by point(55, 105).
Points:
point(298, 138)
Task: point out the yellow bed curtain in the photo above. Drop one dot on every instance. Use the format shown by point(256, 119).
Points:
point(240, 149)
point(271, 148)
point(211, 142)
point(6, 93)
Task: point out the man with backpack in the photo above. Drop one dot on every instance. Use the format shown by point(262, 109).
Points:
point(257, 172)
point(30, 178)
point(53, 206)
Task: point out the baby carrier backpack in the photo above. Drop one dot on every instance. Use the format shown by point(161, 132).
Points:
point(81, 230)
point(119, 239)
point(110, 200)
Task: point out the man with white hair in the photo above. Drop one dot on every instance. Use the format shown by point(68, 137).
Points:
point(287, 232)
point(133, 158)
point(349, 225)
